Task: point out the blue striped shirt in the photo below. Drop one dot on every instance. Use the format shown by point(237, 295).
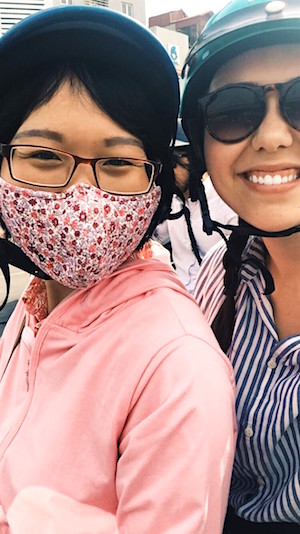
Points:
point(266, 475)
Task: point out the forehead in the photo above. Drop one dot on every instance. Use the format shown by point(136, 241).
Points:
point(71, 116)
point(65, 103)
point(271, 64)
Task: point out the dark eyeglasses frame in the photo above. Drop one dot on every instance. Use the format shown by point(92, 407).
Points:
point(259, 91)
point(5, 151)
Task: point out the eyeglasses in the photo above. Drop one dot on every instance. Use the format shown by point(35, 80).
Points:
point(44, 167)
point(234, 112)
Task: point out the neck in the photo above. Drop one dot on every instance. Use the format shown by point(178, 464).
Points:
point(284, 255)
point(283, 261)
point(56, 292)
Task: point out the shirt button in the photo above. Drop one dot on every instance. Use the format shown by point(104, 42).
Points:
point(272, 364)
point(260, 481)
point(248, 432)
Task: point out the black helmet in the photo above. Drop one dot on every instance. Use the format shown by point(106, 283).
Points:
point(98, 34)
point(241, 25)
point(102, 36)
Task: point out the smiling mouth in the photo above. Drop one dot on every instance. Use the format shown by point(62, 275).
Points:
point(271, 179)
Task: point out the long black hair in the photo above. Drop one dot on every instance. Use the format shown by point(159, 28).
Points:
point(223, 323)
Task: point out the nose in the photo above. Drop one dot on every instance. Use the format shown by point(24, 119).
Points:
point(273, 132)
point(83, 174)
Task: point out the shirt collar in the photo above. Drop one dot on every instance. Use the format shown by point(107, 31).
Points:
point(254, 266)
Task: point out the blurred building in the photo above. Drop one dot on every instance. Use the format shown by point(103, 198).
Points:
point(178, 32)
point(176, 43)
point(178, 21)
point(12, 11)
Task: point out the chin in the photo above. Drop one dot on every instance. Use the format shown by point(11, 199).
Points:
point(274, 227)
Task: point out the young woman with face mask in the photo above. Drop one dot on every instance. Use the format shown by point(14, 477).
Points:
point(114, 394)
point(241, 112)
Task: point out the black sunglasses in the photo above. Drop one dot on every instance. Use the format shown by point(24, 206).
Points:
point(234, 112)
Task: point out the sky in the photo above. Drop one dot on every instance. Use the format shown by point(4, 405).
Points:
point(190, 7)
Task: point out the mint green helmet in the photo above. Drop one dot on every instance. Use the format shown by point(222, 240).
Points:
point(239, 26)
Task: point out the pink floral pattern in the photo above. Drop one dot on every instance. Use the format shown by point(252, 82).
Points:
point(35, 299)
point(80, 236)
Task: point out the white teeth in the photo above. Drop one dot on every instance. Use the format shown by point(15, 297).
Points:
point(267, 179)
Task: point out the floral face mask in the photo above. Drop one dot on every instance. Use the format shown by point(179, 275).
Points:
point(80, 236)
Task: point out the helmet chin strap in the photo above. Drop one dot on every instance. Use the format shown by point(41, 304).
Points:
point(243, 228)
point(10, 254)
point(247, 229)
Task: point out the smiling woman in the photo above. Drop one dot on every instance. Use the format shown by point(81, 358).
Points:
point(262, 163)
point(241, 112)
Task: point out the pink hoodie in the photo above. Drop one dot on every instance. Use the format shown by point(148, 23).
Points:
point(123, 401)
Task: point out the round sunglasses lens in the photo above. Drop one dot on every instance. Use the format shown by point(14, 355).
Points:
point(291, 105)
point(233, 114)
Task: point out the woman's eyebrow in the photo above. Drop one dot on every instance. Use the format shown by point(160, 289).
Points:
point(46, 134)
point(56, 136)
point(113, 141)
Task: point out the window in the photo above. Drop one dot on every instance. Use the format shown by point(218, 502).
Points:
point(12, 12)
point(127, 9)
point(99, 3)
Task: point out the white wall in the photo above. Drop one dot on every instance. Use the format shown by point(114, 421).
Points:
point(139, 9)
point(176, 44)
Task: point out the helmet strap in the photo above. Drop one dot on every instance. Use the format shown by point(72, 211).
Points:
point(243, 228)
point(185, 212)
point(10, 254)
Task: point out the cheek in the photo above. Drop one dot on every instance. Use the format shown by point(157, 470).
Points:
point(221, 162)
point(218, 164)
point(211, 154)
point(5, 174)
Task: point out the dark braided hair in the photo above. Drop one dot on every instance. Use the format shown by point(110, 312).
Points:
point(223, 323)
